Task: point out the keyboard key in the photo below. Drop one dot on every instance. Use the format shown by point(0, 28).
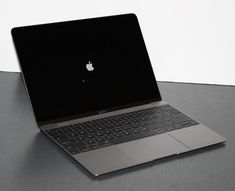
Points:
point(78, 144)
point(90, 130)
point(82, 132)
point(107, 132)
point(144, 129)
point(104, 143)
point(84, 149)
point(99, 139)
point(62, 132)
point(126, 133)
point(89, 136)
point(169, 128)
point(178, 126)
point(73, 151)
point(66, 141)
point(186, 124)
point(116, 130)
point(100, 128)
point(61, 137)
point(160, 130)
point(93, 147)
point(72, 134)
point(136, 131)
point(192, 122)
point(79, 138)
point(117, 135)
point(132, 137)
point(125, 127)
point(68, 147)
point(91, 142)
point(109, 137)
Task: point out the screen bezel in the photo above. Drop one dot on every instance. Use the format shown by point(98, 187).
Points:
point(61, 119)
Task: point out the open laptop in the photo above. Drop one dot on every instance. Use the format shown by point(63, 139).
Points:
point(94, 94)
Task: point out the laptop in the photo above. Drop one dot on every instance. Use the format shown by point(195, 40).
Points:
point(94, 94)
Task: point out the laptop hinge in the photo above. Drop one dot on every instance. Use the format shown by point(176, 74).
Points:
point(103, 113)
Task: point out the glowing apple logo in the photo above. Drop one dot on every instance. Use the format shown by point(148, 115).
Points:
point(89, 66)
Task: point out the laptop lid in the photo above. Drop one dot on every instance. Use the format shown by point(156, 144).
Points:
point(83, 67)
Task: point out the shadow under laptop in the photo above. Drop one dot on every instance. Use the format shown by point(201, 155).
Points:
point(44, 157)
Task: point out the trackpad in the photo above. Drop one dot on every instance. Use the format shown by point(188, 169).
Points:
point(104, 160)
point(197, 136)
point(152, 148)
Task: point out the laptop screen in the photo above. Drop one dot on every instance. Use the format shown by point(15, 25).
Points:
point(82, 67)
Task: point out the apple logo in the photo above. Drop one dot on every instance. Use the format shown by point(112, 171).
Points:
point(89, 66)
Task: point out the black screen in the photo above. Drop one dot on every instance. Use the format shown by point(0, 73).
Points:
point(85, 66)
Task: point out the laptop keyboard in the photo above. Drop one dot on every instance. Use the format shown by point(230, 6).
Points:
point(98, 133)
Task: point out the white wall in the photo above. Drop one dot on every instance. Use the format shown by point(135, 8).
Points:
point(187, 40)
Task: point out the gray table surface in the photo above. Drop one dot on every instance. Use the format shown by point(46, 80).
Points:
point(29, 161)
